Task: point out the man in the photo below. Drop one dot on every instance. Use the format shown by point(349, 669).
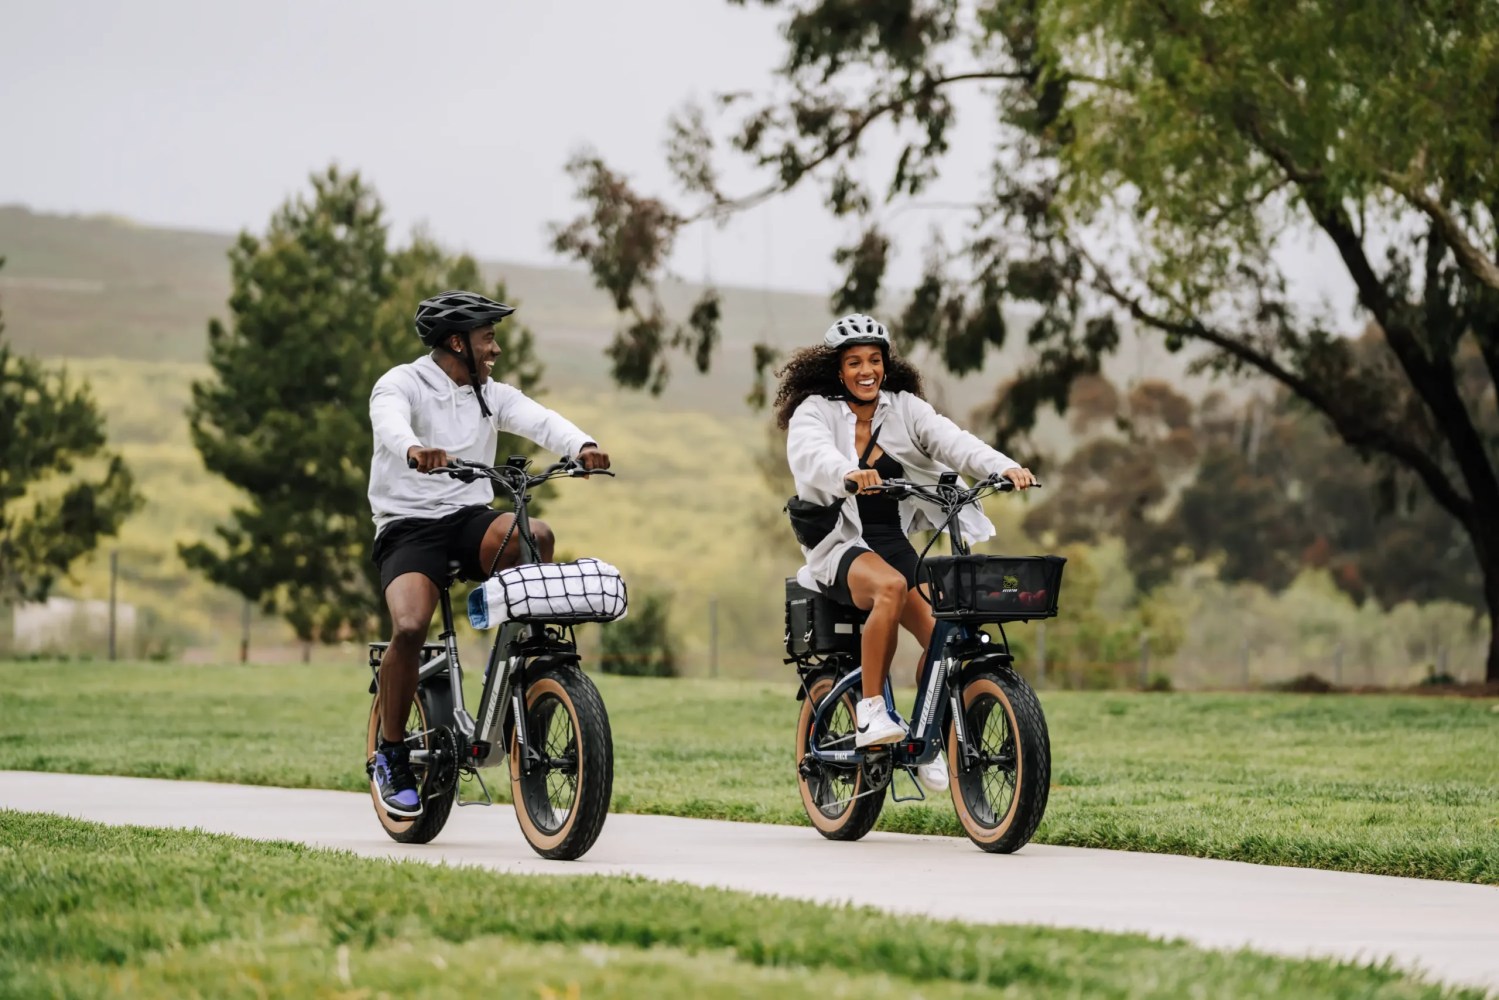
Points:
point(440, 407)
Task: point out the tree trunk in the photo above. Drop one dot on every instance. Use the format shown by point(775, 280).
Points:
point(1490, 566)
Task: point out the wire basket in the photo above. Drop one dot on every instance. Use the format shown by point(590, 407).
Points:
point(569, 593)
point(994, 588)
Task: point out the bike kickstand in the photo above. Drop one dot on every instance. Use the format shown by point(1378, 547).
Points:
point(895, 796)
point(488, 800)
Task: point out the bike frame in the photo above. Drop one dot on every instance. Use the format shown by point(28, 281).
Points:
point(952, 646)
point(481, 742)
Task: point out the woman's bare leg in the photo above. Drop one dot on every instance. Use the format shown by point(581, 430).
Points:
point(880, 590)
point(916, 618)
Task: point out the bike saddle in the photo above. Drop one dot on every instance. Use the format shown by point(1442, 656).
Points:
point(455, 570)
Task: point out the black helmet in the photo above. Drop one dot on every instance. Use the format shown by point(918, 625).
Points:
point(456, 312)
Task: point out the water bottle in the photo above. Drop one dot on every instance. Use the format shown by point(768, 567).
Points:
point(486, 604)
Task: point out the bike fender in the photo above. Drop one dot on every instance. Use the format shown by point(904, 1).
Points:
point(988, 662)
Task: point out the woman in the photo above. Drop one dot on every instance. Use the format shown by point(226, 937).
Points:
point(853, 411)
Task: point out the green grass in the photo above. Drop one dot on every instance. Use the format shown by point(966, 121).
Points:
point(1391, 785)
point(89, 913)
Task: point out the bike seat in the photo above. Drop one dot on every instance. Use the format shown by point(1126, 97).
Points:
point(455, 571)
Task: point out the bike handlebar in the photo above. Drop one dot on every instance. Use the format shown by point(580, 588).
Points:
point(512, 477)
point(998, 484)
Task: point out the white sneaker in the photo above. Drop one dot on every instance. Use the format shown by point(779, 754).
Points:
point(933, 774)
point(874, 725)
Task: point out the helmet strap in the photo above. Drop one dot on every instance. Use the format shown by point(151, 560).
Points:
point(473, 369)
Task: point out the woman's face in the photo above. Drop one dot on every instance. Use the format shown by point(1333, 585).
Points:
point(861, 369)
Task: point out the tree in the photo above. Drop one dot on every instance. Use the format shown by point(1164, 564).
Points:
point(1154, 155)
point(321, 307)
point(1262, 488)
point(61, 490)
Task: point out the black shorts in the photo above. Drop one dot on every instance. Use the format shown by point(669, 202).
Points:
point(427, 545)
point(893, 547)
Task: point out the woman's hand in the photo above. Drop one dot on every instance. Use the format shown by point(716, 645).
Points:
point(1022, 478)
point(864, 479)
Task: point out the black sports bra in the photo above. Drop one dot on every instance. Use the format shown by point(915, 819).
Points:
point(881, 509)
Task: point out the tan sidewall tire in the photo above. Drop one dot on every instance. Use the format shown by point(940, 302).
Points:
point(372, 735)
point(538, 839)
point(977, 831)
point(816, 693)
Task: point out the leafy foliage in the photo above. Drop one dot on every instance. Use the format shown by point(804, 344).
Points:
point(1153, 156)
point(321, 308)
point(61, 490)
point(1262, 489)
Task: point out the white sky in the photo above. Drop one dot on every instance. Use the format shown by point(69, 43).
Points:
point(462, 114)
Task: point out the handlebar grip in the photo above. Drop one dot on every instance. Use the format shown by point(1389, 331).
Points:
point(453, 463)
point(849, 486)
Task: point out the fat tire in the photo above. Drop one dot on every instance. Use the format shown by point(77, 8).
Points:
point(435, 708)
point(860, 815)
point(999, 688)
point(591, 734)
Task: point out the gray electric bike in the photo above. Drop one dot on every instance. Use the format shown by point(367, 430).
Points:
point(538, 710)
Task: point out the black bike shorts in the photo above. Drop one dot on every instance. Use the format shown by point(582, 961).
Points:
point(426, 545)
point(893, 547)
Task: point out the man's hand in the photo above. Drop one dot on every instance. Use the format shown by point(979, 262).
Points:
point(1022, 478)
point(593, 457)
point(863, 478)
point(426, 459)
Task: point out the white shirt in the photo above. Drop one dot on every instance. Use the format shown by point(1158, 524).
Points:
point(820, 450)
point(419, 405)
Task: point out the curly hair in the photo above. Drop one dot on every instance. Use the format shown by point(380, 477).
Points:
point(813, 371)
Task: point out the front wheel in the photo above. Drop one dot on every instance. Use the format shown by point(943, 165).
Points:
point(1000, 790)
point(562, 797)
point(839, 801)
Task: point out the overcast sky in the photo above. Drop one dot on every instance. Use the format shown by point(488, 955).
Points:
point(208, 115)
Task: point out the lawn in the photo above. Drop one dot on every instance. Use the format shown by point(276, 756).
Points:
point(89, 912)
point(1384, 784)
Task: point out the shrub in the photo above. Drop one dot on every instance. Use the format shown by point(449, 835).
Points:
point(641, 643)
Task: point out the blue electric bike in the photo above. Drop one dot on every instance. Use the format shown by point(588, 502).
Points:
point(971, 699)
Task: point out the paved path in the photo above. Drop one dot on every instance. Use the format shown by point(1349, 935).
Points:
point(1445, 930)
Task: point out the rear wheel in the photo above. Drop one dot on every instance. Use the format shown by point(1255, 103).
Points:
point(563, 799)
point(1001, 795)
point(838, 800)
point(438, 793)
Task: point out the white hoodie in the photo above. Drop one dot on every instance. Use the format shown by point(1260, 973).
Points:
point(820, 449)
point(418, 405)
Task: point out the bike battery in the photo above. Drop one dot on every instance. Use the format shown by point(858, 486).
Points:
point(817, 625)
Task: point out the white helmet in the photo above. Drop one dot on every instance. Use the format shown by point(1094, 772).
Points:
point(856, 328)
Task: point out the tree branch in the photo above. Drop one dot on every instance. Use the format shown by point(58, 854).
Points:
point(1473, 260)
point(722, 207)
point(1353, 428)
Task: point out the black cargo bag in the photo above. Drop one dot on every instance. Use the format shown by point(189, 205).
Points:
point(818, 625)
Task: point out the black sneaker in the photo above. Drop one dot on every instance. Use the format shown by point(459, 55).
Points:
point(390, 774)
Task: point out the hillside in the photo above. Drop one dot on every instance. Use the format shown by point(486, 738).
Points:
point(88, 287)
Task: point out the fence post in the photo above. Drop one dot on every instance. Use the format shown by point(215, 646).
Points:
point(244, 632)
point(1144, 662)
point(114, 576)
point(1041, 655)
point(713, 637)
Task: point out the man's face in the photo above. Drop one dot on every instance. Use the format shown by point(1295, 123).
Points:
point(486, 351)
